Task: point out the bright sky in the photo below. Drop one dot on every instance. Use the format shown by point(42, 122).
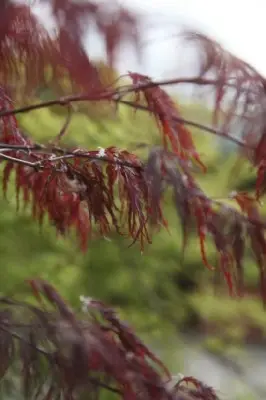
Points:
point(240, 25)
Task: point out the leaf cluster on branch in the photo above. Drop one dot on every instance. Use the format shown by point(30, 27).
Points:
point(62, 355)
point(112, 188)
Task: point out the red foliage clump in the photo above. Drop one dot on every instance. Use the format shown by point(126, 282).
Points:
point(30, 55)
point(76, 188)
point(83, 354)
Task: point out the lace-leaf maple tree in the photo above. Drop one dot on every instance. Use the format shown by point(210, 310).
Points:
point(111, 189)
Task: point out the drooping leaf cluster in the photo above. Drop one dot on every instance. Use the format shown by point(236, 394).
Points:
point(30, 52)
point(62, 355)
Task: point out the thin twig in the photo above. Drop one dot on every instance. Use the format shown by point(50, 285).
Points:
point(20, 161)
point(188, 122)
point(22, 339)
point(115, 96)
point(108, 95)
point(96, 158)
point(64, 155)
point(176, 81)
point(104, 385)
point(62, 101)
point(66, 124)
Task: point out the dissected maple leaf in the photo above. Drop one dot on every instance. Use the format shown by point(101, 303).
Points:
point(165, 111)
point(238, 86)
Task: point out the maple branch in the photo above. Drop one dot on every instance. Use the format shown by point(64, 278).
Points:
point(188, 122)
point(69, 155)
point(62, 101)
point(115, 97)
point(197, 80)
point(166, 82)
point(20, 161)
point(66, 124)
point(65, 154)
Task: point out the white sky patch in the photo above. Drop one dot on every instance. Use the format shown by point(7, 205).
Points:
point(239, 25)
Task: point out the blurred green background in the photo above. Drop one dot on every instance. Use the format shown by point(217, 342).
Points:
point(171, 306)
